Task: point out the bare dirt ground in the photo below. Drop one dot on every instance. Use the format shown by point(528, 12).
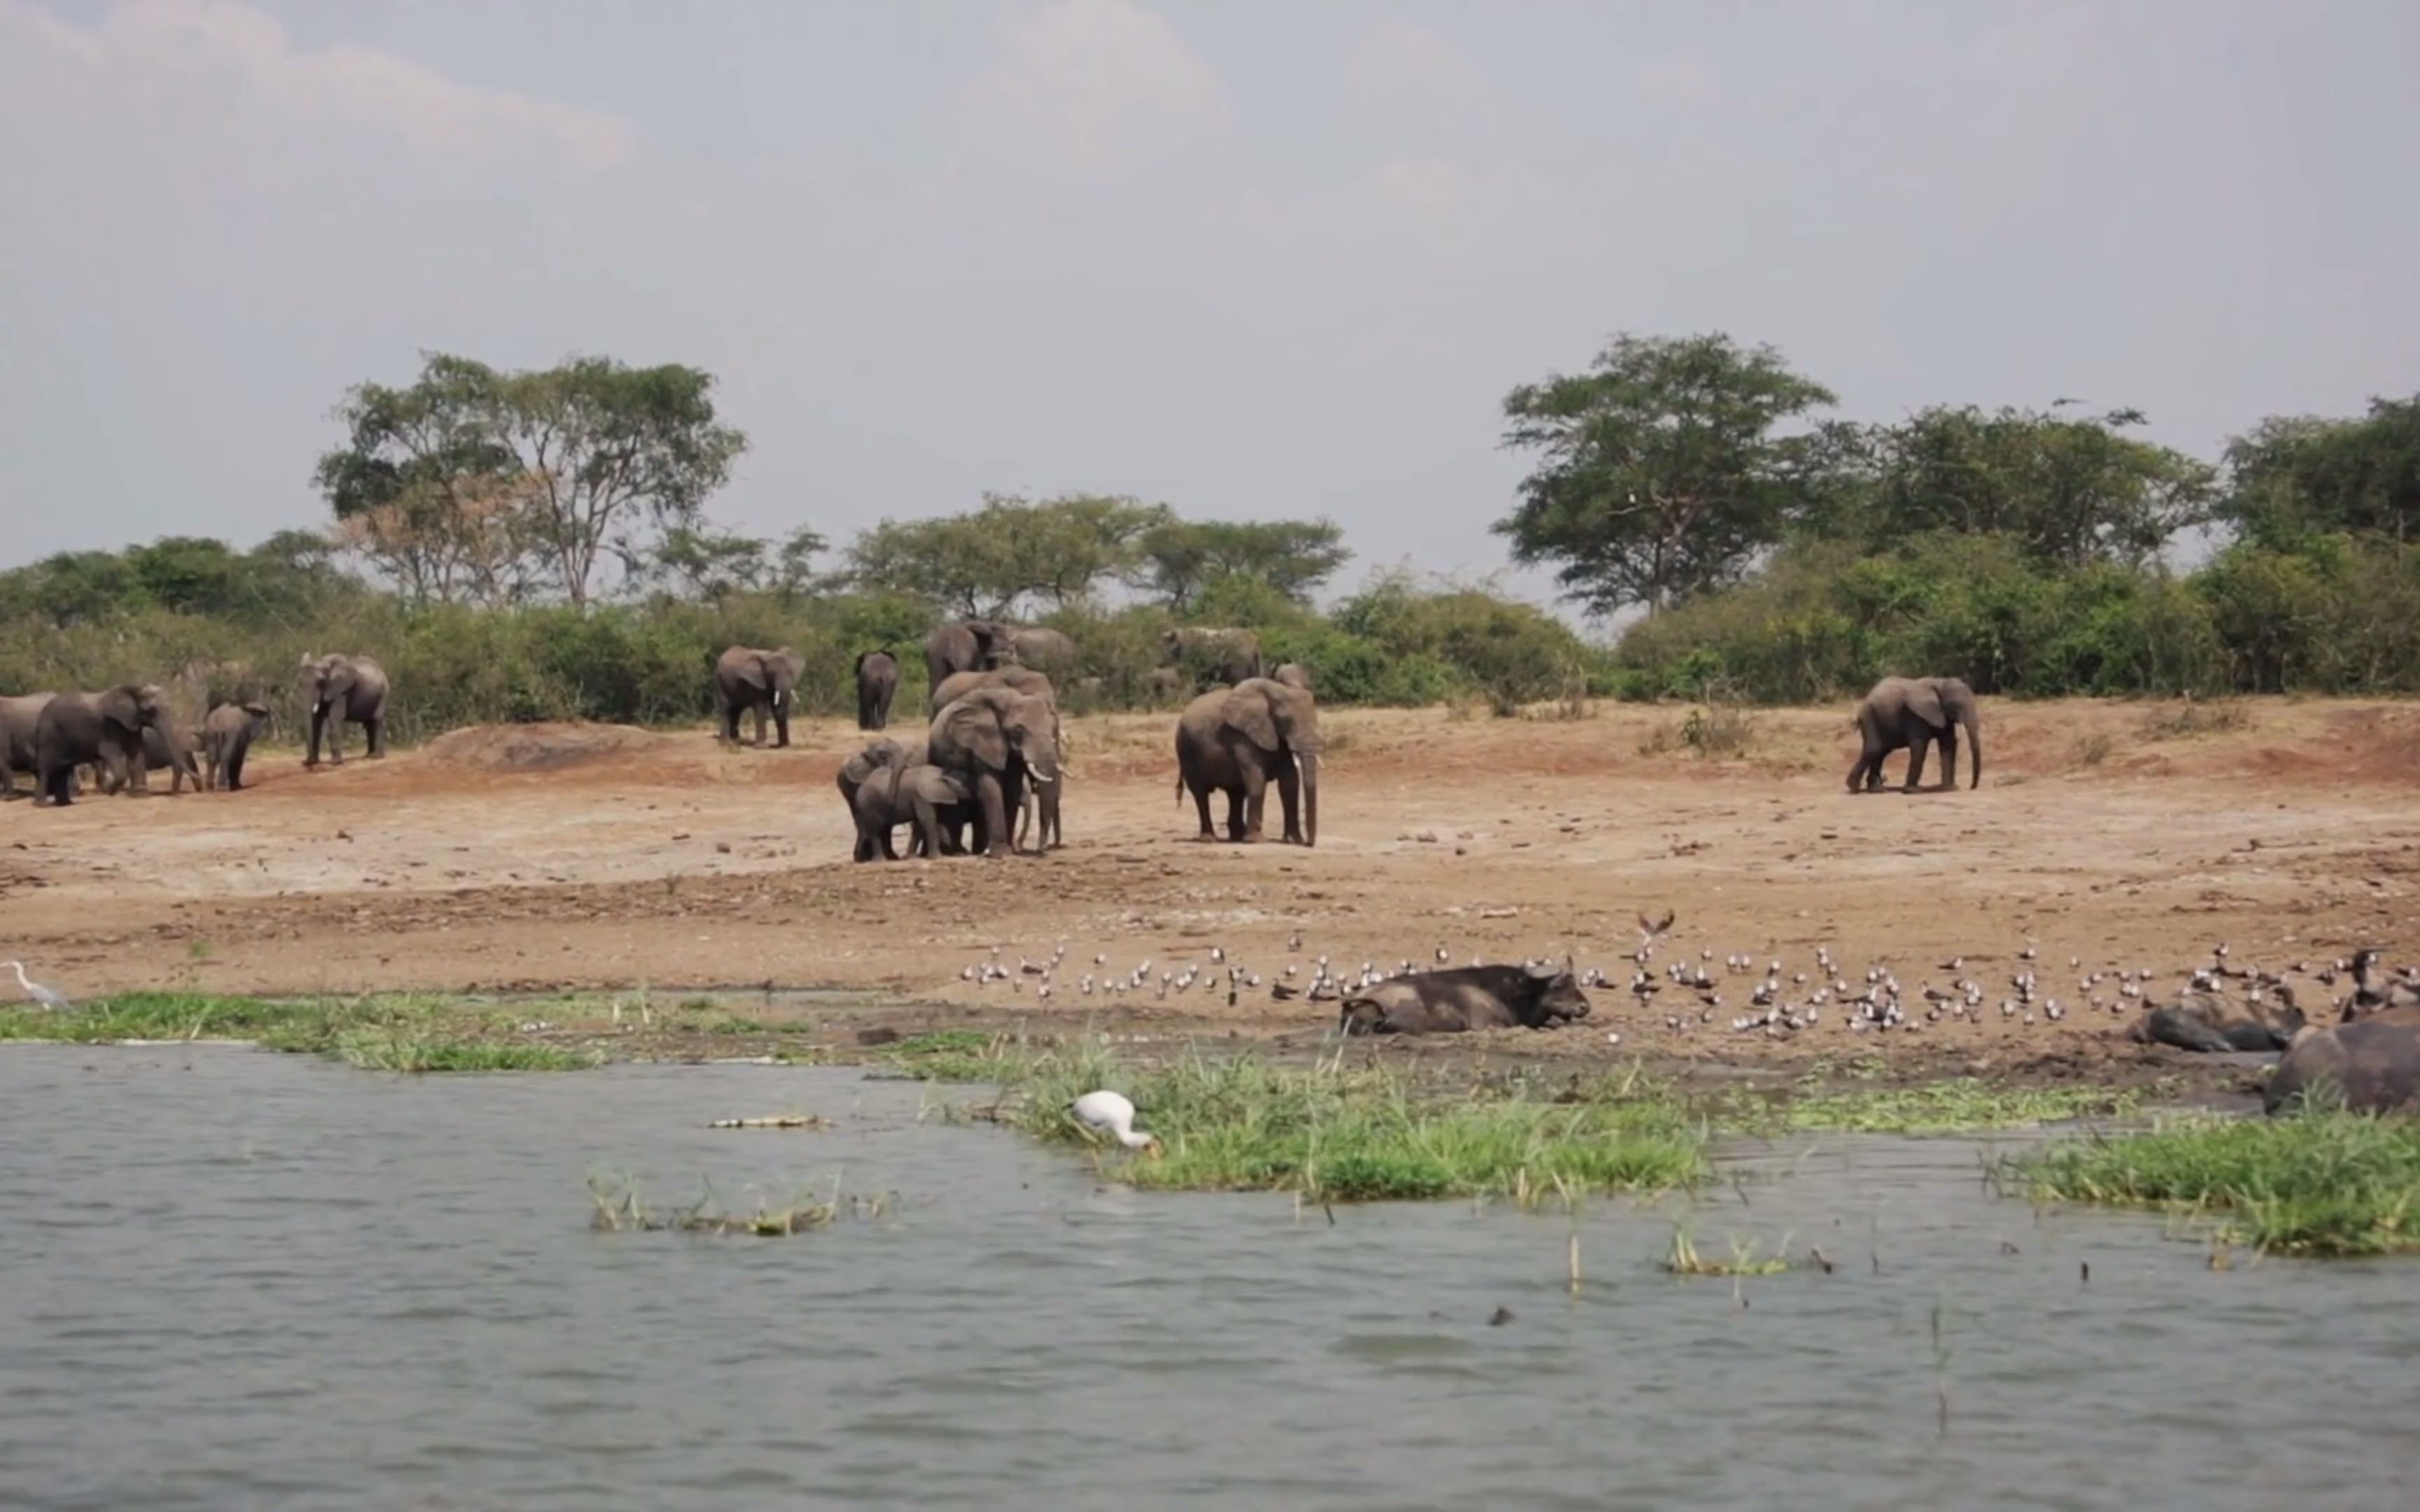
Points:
point(588, 857)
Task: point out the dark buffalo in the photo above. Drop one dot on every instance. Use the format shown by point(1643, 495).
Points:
point(2372, 1063)
point(2214, 1024)
point(1465, 998)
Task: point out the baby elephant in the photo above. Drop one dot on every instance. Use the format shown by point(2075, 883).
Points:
point(1465, 998)
point(166, 749)
point(227, 733)
point(926, 797)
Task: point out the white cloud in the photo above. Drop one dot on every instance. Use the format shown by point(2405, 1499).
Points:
point(1091, 92)
point(147, 55)
point(1401, 66)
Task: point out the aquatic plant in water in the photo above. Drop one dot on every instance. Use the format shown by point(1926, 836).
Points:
point(2327, 1182)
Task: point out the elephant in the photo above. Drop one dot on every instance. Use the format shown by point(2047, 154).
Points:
point(995, 740)
point(878, 758)
point(1023, 679)
point(967, 646)
point(1211, 657)
point(1038, 645)
point(339, 687)
point(1293, 674)
point(1042, 799)
point(104, 728)
point(878, 679)
point(227, 733)
point(166, 746)
point(1235, 740)
point(757, 680)
point(922, 796)
point(1916, 712)
point(18, 719)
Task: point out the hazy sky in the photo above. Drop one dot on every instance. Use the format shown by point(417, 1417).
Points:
point(1250, 257)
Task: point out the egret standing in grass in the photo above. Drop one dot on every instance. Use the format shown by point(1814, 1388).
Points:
point(1111, 1113)
point(47, 996)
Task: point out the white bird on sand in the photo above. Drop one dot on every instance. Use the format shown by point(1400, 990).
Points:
point(47, 996)
point(1111, 1113)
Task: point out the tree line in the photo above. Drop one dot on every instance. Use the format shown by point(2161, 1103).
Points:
point(1789, 556)
point(536, 545)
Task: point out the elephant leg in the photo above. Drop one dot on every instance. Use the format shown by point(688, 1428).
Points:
point(375, 731)
point(1289, 800)
point(731, 723)
point(927, 836)
point(1202, 806)
point(1235, 814)
point(782, 724)
point(1256, 796)
point(1949, 758)
point(1916, 747)
point(1050, 818)
point(319, 722)
point(335, 738)
point(994, 838)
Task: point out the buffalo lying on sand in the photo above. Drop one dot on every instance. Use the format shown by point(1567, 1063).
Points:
point(2373, 1063)
point(2208, 1022)
point(1465, 998)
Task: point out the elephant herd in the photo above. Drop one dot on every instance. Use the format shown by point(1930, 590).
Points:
point(991, 768)
point(115, 738)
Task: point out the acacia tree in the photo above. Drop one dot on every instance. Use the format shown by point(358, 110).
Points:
point(547, 470)
point(2068, 490)
point(1011, 552)
point(1180, 558)
point(1659, 472)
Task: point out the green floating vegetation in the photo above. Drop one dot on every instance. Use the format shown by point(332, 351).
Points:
point(1333, 1133)
point(2327, 1182)
point(403, 1033)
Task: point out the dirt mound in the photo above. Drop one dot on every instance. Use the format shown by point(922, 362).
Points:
point(538, 748)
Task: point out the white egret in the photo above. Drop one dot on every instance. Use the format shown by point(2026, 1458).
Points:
point(47, 996)
point(1111, 1113)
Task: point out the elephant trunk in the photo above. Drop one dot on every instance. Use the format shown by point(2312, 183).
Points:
point(1306, 764)
point(1974, 749)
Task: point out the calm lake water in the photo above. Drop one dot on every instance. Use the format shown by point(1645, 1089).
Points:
point(236, 1279)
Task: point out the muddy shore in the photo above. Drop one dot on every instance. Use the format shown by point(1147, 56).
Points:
point(545, 858)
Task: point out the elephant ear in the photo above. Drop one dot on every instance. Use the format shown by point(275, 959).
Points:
point(1246, 712)
point(972, 726)
point(1924, 701)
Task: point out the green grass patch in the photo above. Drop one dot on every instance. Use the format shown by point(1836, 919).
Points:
point(381, 1033)
point(164, 1016)
point(2323, 1183)
point(958, 1055)
point(1333, 1133)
